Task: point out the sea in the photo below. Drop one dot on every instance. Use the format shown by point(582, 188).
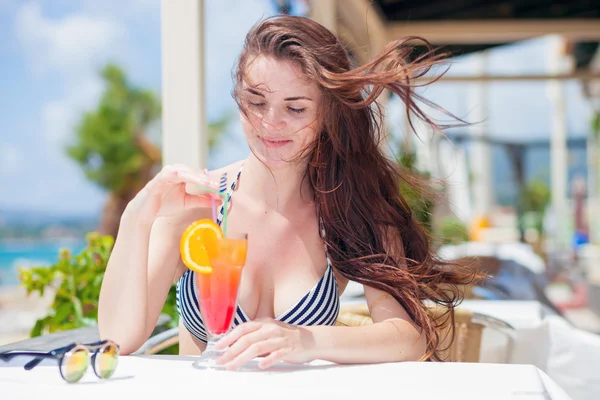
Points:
point(15, 254)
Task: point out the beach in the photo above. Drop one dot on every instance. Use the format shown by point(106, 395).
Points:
point(19, 312)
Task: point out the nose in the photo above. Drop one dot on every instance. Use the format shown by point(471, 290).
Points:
point(272, 121)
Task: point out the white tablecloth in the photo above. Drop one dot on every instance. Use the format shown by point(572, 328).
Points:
point(570, 356)
point(168, 377)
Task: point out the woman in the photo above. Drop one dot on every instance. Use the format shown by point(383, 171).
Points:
point(315, 178)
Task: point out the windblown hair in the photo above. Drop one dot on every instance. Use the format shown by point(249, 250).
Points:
point(372, 235)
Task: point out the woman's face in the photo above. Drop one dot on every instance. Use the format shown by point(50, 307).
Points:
point(282, 110)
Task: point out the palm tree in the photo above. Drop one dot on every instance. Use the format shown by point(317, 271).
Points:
point(112, 144)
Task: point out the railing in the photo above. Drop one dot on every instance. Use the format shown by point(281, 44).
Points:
point(63, 338)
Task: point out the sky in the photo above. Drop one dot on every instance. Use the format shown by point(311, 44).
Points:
point(51, 52)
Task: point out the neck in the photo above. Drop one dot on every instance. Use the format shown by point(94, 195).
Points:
point(280, 188)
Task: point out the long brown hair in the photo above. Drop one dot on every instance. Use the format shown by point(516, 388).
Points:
point(371, 233)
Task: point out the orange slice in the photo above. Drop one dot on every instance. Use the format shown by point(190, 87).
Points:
point(199, 244)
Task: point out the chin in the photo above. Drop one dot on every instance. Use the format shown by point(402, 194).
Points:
point(275, 159)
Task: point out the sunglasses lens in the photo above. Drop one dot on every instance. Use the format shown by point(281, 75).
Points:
point(74, 365)
point(106, 360)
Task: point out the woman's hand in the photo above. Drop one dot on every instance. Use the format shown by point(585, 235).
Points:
point(174, 189)
point(276, 341)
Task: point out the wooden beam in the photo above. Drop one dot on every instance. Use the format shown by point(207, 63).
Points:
point(495, 31)
point(578, 75)
point(559, 166)
point(58, 339)
point(481, 156)
point(499, 140)
point(366, 26)
point(325, 13)
point(592, 89)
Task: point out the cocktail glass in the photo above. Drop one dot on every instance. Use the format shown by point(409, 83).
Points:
point(218, 293)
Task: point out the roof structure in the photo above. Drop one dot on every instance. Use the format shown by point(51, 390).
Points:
point(466, 26)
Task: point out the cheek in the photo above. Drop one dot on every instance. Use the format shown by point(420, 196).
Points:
point(308, 133)
point(253, 122)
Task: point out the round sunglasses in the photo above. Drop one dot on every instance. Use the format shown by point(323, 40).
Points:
point(74, 359)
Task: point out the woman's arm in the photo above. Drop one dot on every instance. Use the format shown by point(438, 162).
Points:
point(144, 260)
point(138, 276)
point(392, 336)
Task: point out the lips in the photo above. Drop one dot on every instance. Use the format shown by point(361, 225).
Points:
point(274, 143)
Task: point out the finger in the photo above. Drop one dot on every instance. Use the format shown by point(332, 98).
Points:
point(272, 358)
point(180, 182)
point(163, 180)
point(175, 174)
point(201, 189)
point(260, 348)
point(194, 179)
point(237, 333)
point(244, 343)
point(193, 201)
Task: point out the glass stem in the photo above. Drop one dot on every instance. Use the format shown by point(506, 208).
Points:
point(210, 355)
point(210, 352)
point(210, 347)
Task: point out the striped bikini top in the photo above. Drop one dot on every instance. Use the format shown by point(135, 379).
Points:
point(320, 306)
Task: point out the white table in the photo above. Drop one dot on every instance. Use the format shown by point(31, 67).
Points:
point(568, 355)
point(521, 314)
point(172, 377)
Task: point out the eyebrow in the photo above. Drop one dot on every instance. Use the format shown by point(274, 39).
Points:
point(257, 93)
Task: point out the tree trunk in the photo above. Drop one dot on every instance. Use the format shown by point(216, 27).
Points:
point(111, 214)
point(117, 201)
point(133, 183)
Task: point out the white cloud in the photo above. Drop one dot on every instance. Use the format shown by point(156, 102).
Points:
point(60, 116)
point(10, 158)
point(131, 11)
point(70, 49)
point(57, 119)
point(71, 45)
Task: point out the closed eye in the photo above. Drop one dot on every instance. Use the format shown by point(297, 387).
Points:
point(297, 110)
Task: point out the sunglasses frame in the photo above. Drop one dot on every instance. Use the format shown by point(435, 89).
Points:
point(62, 353)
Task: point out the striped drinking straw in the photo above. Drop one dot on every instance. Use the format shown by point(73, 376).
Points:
point(223, 191)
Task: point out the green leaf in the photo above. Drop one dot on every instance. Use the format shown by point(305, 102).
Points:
point(78, 309)
point(39, 326)
point(595, 125)
point(63, 310)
